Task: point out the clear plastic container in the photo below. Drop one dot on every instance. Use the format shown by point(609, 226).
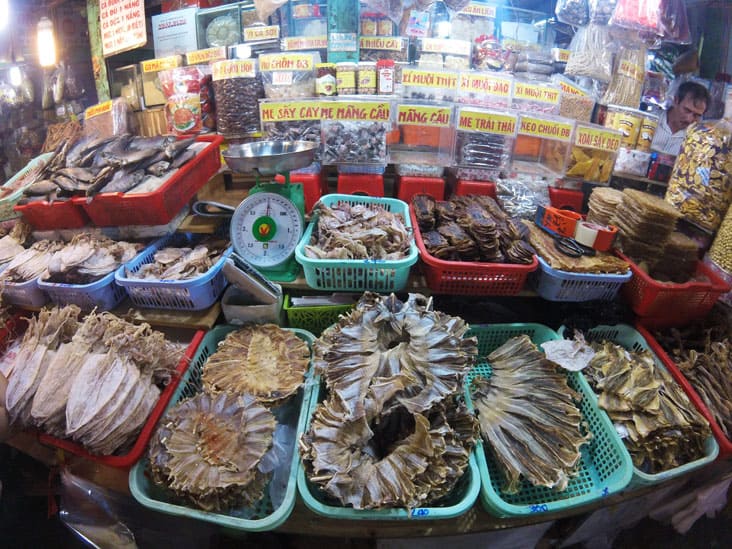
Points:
point(288, 75)
point(542, 144)
point(430, 85)
point(443, 53)
point(535, 97)
point(593, 153)
point(217, 27)
point(127, 83)
point(425, 133)
point(485, 89)
point(484, 138)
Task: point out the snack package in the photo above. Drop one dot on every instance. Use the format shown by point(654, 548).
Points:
point(107, 119)
point(592, 55)
point(601, 10)
point(572, 12)
point(626, 84)
point(182, 90)
point(639, 15)
point(238, 89)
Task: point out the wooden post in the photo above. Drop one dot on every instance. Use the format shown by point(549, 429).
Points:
point(99, 66)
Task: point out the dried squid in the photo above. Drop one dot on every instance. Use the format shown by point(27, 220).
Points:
point(528, 416)
point(664, 430)
point(391, 432)
point(182, 263)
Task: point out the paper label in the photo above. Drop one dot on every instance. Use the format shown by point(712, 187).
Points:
point(285, 62)
point(295, 43)
point(631, 70)
point(233, 68)
point(446, 46)
point(534, 92)
point(375, 111)
point(255, 34)
point(429, 79)
point(419, 115)
point(288, 111)
point(343, 41)
point(549, 129)
point(161, 63)
point(122, 25)
point(205, 56)
point(479, 10)
point(302, 10)
point(570, 89)
point(98, 109)
point(385, 43)
point(485, 83)
point(500, 124)
point(594, 138)
point(560, 55)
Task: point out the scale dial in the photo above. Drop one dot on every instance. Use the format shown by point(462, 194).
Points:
point(265, 229)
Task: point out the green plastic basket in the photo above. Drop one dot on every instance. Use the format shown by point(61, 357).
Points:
point(357, 275)
point(7, 202)
point(457, 502)
point(314, 319)
point(605, 467)
point(628, 337)
point(262, 516)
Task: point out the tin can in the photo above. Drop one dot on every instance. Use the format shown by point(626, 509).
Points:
point(325, 80)
point(346, 78)
point(626, 121)
point(647, 131)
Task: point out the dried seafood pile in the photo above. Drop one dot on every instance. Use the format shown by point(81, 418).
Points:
point(94, 381)
point(183, 263)
point(470, 228)
point(528, 416)
point(704, 354)
point(358, 231)
point(391, 432)
point(664, 429)
point(31, 262)
point(679, 259)
point(12, 243)
point(211, 449)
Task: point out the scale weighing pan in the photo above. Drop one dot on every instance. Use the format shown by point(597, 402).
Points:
point(270, 157)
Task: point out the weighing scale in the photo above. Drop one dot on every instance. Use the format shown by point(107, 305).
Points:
point(268, 224)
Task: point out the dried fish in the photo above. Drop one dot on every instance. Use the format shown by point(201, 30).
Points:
point(30, 263)
point(173, 263)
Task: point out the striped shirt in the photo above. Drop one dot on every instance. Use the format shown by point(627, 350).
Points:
point(664, 141)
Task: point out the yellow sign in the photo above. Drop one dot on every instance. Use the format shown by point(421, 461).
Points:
point(99, 108)
point(295, 43)
point(561, 55)
point(501, 124)
point(631, 70)
point(479, 10)
point(419, 115)
point(429, 79)
point(161, 63)
point(485, 83)
point(535, 92)
point(550, 129)
point(446, 45)
point(205, 56)
point(373, 111)
point(287, 111)
point(570, 89)
point(233, 68)
point(285, 62)
point(599, 139)
point(386, 43)
point(254, 34)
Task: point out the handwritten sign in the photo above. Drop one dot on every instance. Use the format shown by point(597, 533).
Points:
point(294, 43)
point(595, 138)
point(535, 92)
point(488, 122)
point(161, 63)
point(205, 56)
point(385, 43)
point(549, 129)
point(482, 83)
point(479, 10)
point(289, 111)
point(96, 110)
point(373, 111)
point(418, 115)
point(233, 68)
point(122, 24)
point(255, 34)
point(429, 79)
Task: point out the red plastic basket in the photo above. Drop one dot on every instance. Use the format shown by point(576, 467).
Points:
point(357, 183)
point(161, 206)
point(47, 216)
point(725, 445)
point(667, 304)
point(407, 186)
point(127, 460)
point(314, 185)
point(485, 188)
point(566, 199)
point(470, 278)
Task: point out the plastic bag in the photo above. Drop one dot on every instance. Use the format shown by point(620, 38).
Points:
point(265, 8)
point(673, 22)
point(601, 10)
point(282, 80)
point(107, 119)
point(626, 85)
point(74, 89)
point(640, 15)
point(182, 89)
point(591, 54)
point(520, 194)
point(572, 12)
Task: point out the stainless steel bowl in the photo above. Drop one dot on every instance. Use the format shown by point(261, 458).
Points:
point(270, 157)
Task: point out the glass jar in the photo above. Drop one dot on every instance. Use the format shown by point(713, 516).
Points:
point(325, 81)
point(346, 78)
point(367, 78)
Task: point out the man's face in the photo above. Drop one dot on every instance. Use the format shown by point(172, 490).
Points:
point(685, 112)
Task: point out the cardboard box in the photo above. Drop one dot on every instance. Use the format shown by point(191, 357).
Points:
point(174, 33)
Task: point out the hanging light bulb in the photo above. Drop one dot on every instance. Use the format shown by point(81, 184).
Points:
point(46, 43)
point(4, 13)
point(15, 76)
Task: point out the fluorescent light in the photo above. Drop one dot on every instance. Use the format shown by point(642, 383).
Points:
point(4, 13)
point(442, 29)
point(15, 76)
point(46, 43)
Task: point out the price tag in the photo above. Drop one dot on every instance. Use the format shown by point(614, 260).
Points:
point(548, 129)
point(594, 138)
point(372, 111)
point(288, 111)
point(477, 121)
point(418, 115)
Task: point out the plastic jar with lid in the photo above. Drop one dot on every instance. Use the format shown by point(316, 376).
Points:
point(385, 76)
point(325, 80)
point(346, 78)
point(367, 78)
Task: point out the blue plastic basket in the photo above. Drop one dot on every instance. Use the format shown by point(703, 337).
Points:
point(629, 338)
point(357, 275)
point(104, 294)
point(605, 467)
point(188, 295)
point(556, 285)
point(262, 516)
point(23, 294)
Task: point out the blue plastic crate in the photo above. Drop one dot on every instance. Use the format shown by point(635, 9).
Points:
point(556, 285)
point(104, 294)
point(192, 294)
point(23, 294)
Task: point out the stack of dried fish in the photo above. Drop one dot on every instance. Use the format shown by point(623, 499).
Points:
point(646, 223)
point(664, 429)
point(470, 228)
point(88, 258)
point(183, 263)
point(12, 243)
point(115, 164)
point(30, 263)
point(602, 205)
point(703, 352)
point(95, 381)
point(359, 231)
point(679, 259)
point(528, 416)
point(391, 432)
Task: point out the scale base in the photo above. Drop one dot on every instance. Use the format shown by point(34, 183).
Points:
point(286, 273)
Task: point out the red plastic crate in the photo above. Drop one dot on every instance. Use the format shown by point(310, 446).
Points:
point(135, 453)
point(46, 216)
point(725, 445)
point(484, 188)
point(313, 185)
point(161, 206)
point(566, 199)
point(668, 304)
point(368, 184)
point(407, 186)
point(470, 278)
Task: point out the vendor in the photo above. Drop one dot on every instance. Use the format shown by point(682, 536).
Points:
point(690, 104)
